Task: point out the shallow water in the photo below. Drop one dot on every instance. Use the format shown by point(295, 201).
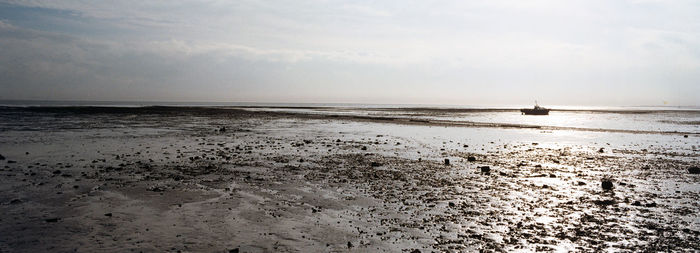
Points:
point(626, 119)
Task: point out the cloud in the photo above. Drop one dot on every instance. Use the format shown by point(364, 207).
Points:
point(122, 49)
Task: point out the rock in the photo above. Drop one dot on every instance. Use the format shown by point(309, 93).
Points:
point(485, 169)
point(685, 136)
point(56, 172)
point(363, 148)
point(601, 150)
point(607, 184)
point(415, 251)
point(108, 214)
point(606, 202)
point(15, 201)
point(11, 161)
point(222, 129)
point(2, 158)
point(652, 204)
point(236, 250)
point(349, 245)
point(52, 220)
point(451, 204)
point(694, 170)
point(471, 159)
point(375, 164)
point(447, 161)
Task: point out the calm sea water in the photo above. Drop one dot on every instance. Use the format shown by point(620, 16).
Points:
point(685, 120)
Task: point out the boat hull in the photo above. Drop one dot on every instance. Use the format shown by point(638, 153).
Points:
point(535, 111)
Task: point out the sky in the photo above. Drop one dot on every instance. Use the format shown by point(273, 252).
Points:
point(589, 52)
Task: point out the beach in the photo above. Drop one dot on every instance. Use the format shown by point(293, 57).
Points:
point(264, 179)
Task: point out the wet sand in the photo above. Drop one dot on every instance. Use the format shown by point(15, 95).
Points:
point(158, 179)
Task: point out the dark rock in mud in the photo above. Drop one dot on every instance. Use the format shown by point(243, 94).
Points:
point(694, 170)
point(349, 245)
point(447, 161)
point(108, 214)
point(601, 150)
point(236, 250)
point(375, 164)
point(415, 251)
point(485, 169)
point(56, 172)
point(471, 159)
point(363, 148)
point(11, 161)
point(52, 220)
point(607, 184)
point(15, 201)
point(685, 136)
point(606, 202)
point(2, 158)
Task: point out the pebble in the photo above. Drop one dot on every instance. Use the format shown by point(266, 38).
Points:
point(471, 159)
point(53, 220)
point(606, 184)
point(485, 169)
point(447, 161)
point(694, 170)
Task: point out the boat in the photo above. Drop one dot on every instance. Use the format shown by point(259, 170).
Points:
point(537, 110)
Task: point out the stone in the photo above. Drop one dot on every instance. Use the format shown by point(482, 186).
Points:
point(447, 161)
point(485, 169)
point(694, 170)
point(607, 184)
point(471, 159)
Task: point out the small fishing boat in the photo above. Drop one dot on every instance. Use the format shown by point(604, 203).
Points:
point(537, 110)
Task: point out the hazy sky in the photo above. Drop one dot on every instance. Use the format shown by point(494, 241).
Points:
point(409, 52)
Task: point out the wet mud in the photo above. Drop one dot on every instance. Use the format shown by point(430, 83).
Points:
point(231, 180)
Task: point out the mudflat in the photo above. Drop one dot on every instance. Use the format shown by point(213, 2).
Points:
point(195, 179)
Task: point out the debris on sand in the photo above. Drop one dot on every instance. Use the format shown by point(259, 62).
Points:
point(694, 170)
point(447, 161)
point(471, 159)
point(601, 150)
point(607, 184)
